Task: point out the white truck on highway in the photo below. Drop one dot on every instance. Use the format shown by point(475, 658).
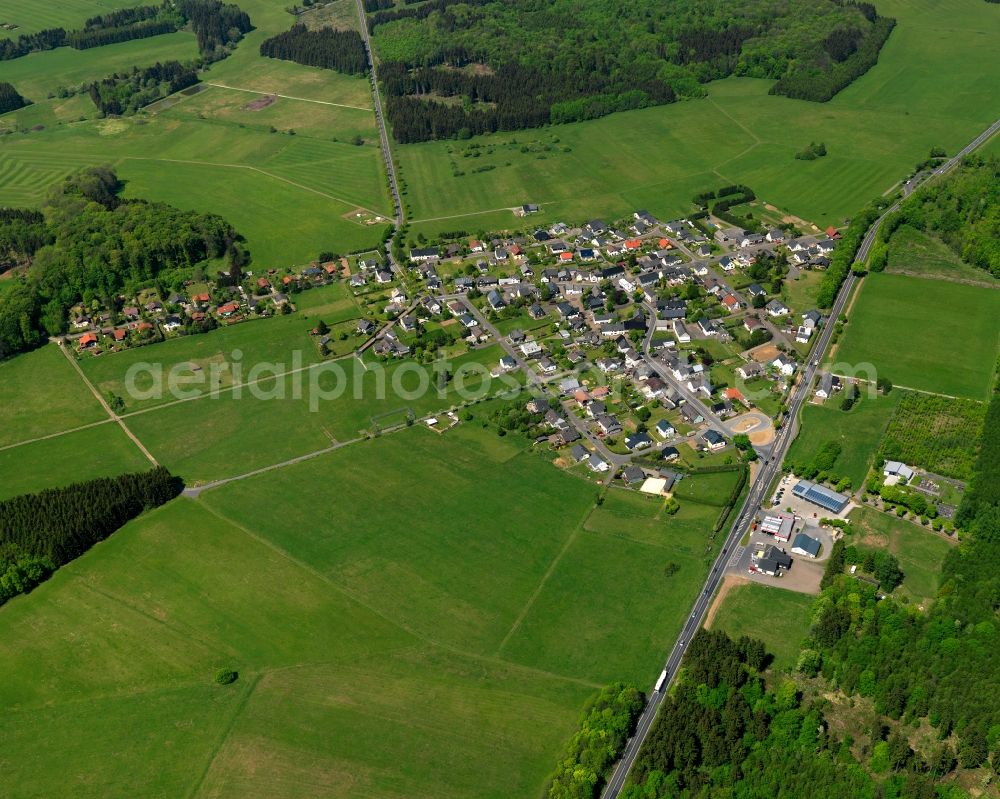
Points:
point(661, 681)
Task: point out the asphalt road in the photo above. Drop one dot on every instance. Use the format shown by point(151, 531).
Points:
point(766, 474)
point(390, 167)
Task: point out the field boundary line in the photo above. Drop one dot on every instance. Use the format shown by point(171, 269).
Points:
point(395, 622)
point(351, 204)
point(288, 97)
point(544, 580)
point(54, 435)
point(909, 388)
point(757, 139)
point(113, 416)
point(224, 735)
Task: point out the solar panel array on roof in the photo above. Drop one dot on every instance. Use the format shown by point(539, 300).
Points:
point(820, 495)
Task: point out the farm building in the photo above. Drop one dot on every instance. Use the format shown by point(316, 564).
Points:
point(805, 545)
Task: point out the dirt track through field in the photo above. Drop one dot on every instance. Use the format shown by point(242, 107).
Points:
point(728, 583)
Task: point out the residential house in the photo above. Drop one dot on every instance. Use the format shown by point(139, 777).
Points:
point(664, 429)
point(713, 440)
point(776, 308)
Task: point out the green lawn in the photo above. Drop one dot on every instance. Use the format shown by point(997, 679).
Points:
point(920, 551)
point(332, 303)
point(40, 394)
point(859, 432)
point(779, 618)
point(800, 293)
point(101, 451)
point(929, 335)
point(711, 488)
point(914, 252)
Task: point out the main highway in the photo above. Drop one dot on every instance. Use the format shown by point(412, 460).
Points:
point(766, 473)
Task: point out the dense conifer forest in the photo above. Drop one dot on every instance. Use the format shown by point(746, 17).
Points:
point(89, 242)
point(461, 67)
point(10, 99)
point(215, 23)
point(343, 51)
point(41, 532)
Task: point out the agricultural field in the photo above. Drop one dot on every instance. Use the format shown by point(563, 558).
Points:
point(100, 451)
point(939, 434)
point(919, 551)
point(858, 431)
point(291, 196)
point(932, 336)
point(235, 432)
point(38, 74)
point(41, 394)
point(933, 86)
point(779, 618)
point(31, 16)
point(913, 252)
point(327, 686)
point(258, 341)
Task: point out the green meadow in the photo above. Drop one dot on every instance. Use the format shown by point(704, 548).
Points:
point(935, 336)
point(934, 85)
point(31, 16)
point(913, 252)
point(37, 74)
point(779, 618)
point(41, 394)
point(290, 196)
point(100, 451)
point(858, 431)
point(334, 698)
point(235, 432)
point(919, 551)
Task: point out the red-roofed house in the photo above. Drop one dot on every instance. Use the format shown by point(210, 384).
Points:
point(228, 309)
point(665, 244)
point(734, 395)
point(201, 299)
point(88, 340)
point(118, 334)
point(731, 303)
point(263, 283)
point(565, 256)
point(633, 244)
point(832, 232)
point(476, 246)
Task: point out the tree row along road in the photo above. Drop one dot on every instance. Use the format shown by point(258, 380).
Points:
point(390, 167)
point(763, 479)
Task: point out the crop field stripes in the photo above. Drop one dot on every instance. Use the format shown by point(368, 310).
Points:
point(24, 179)
point(369, 109)
point(341, 200)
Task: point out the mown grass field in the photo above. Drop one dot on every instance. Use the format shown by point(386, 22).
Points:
point(929, 335)
point(913, 252)
point(235, 432)
point(933, 86)
point(334, 699)
point(779, 618)
point(920, 552)
point(101, 451)
point(41, 394)
point(35, 15)
point(859, 432)
point(289, 195)
point(37, 74)
point(273, 341)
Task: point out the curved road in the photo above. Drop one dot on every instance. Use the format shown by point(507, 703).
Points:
point(765, 475)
